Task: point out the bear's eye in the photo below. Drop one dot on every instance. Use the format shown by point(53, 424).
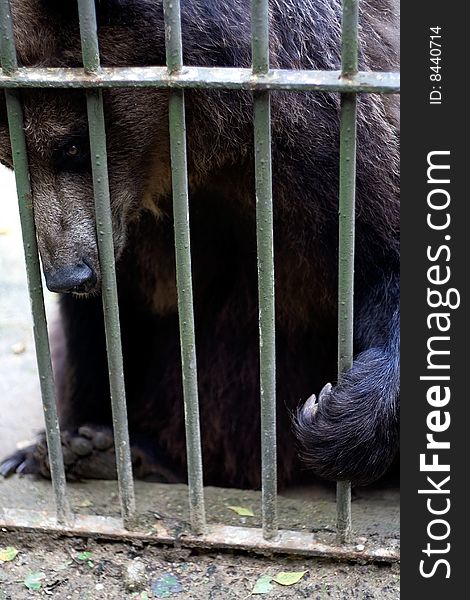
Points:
point(72, 156)
point(72, 151)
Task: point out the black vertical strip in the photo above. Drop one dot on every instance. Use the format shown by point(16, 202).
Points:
point(435, 317)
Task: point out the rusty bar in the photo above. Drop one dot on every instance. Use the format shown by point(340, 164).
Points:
point(204, 78)
point(301, 543)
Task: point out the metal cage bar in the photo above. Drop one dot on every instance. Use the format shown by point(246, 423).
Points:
point(179, 169)
point(33, 269)
point(229, 78)
point(265, 248)
point(347, 198)
point(176, 77)
point(104, 230)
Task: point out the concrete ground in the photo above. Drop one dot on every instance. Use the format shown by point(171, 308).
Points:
point(84, 568)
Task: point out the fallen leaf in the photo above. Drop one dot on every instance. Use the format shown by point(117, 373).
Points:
point(8, 553)
point(241, 511)
point(289, 577)
point(33, 580)
point(166, 585)
point(85, 504)
point(263, 585)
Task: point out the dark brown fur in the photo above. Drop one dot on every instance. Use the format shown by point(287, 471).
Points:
point(353, 432)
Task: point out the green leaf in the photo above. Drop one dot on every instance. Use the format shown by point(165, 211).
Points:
point(33, 580)
point(263, 585)
point(241, 511)
point(8, 553)
point(289, 577)
point(85, 556)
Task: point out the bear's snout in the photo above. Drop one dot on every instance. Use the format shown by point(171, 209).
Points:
point(79, 278)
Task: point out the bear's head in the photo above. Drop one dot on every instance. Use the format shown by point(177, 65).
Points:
point(56, 129)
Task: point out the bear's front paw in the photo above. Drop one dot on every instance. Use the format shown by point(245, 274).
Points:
point(89, 454)
point(349, 434)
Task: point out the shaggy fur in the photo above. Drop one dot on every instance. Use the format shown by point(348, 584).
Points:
point(352, 431)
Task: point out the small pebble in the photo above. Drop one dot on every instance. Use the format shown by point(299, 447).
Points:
point(362, 540)
point(135, 578)
point(360, 547)
point(18, 348)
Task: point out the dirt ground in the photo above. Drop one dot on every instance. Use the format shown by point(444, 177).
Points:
point(116, 570)
point(91, 569)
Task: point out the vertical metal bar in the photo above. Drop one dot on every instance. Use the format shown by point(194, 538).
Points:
point(96, 123)
point(179, 169)
point(347, 193)
point(88, 35)
point(265, 247)
point(33, 270)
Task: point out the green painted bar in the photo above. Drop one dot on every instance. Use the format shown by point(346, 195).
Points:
point(173, 36)
point(260, 36)
point(179, 169)
point(33, 269)
point(347, 193)
point(350, 40)
point(265, 247)
point(175, 77)
point(205, 78)
point(7, 40)
point(88, 36)
point(346, 278)
point(96, 122)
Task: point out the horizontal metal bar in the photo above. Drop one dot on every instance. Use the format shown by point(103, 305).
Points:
point(204, 77)
point(250, 539)
point(104, 230)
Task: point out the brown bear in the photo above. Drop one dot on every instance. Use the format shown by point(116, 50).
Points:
point(352, 432)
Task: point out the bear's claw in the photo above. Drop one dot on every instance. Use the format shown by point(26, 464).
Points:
point(19, 462)
point(344, 435)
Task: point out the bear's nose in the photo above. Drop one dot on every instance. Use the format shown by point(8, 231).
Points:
point(79, 278)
